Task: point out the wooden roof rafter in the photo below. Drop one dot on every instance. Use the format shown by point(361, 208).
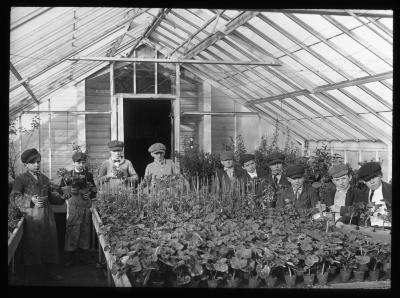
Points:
point(23, 82)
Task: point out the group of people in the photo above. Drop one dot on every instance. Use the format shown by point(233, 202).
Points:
point(290, 187)
point(32, 193)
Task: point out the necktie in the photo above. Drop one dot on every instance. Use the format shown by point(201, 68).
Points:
point(276, 179)
point(371, 195)
point(296, 195)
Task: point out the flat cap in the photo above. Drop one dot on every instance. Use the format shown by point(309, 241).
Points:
point(157, 147)
point(275, 157)
point(77, 156)
point(226, 155)
point(246, 157)
point(116, 145)
point(29, 155)
point(295, 171)
point(338, 170)
point(369, 170)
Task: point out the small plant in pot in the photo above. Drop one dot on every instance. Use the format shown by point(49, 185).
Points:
point(345, 269)
point(290, 276)
point(219, 266)
point(359, 271)
point(236, 264)
point(254, 279)
point(309, 277)
point(322, 275)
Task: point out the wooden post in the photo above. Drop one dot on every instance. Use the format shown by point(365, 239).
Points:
point(155, 73)
point(134, 73)
point(177, 112)
point(38, 130)
point(205, 124)
point(345, 156)
point(49, 138)
point(259, 130)
point(120, 117)
point(113, 104)
point(20, 142)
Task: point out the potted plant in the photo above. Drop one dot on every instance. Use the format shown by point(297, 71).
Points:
point(290, 276)
point(345, 270)
point(236, 264)
point(322, 276)
point(359, 271)
point(66, 178)
point(310, 261)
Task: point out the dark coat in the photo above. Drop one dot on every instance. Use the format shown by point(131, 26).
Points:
point(282, 183)
point(224, 179)
point(353, 195)
point(386, 192)
point(39, 240)
point(308, 197)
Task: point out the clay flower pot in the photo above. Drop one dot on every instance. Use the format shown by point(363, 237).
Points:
point(374, 274)
point(254, 282)
point(359, 275)
point(309, 279)
point(271, 281)
point(157, 284)
point(332, 270)
point(290, 280)
point(322, 278)
point(232, 283)
point(345, 274)
point(212, 283)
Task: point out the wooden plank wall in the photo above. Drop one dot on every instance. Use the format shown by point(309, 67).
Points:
point(98, 127)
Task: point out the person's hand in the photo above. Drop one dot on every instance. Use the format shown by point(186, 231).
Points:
point(38, 202)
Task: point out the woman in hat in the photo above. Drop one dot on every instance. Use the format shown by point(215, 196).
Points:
point(79, 202)
point(32, 194)
point(160, 166)
point(116, 168)
point(299, 194)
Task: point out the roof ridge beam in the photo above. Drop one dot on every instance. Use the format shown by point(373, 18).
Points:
point(338, 12)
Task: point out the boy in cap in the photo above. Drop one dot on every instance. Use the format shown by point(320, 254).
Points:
point(32, 194)
point(342, 195)
point(83, 190)
point(276, 177)
point(248, 164)
point(378, 192)
point(116, 167)
point(160, 166)
point(299, 194)
point(230, 171)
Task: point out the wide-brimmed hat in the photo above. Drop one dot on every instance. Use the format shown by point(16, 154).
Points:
point(30, 155)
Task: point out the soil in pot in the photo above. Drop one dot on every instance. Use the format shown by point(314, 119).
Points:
point(359, 275)
point(322, 278)
point(309, 279)
point(290, 280)
point(271, 281)
point(232, 283)
point(254, 282)
point(374, 274)
point(345, 275)
point(212, 283)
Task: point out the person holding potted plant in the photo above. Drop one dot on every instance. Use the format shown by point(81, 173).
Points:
point(299, 194)
point(340, 198)
point(79, 202)
point(32, 194)
point(116, 169)
point(378, 192)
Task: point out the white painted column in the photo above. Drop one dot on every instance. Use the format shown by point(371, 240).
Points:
point(50, 151)
point(205, 124)
point(177, 113)
point(114, 107)
point(81, 118)
point(120, 118)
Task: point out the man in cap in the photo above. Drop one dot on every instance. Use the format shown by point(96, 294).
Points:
point(32, 194)
point(378, 192)
point(79, 202)
point(340, 197)
point(116, 168)
point(230, 171)
point(160, 166)
point(276, 177)
point(299, 194)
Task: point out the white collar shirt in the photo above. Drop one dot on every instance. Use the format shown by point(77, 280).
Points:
point(377, 198)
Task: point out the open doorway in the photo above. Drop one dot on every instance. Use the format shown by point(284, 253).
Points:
point(145, 122)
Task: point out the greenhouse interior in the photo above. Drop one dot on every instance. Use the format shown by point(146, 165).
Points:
point(200, 148)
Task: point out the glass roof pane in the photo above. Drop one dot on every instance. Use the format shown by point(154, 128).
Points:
point(347, 127)
point(231, 51)
point(322, 123)
point(273, 34)
point(340, 61)
point(365, 56)
point(300, 70)
point(348, 21)
point(268, 77)
point(322, 68)
point(298, 106)
point(387, 115)
point(273, 51)
point(292, 28)
point(348, 102)
point(378, 123)
point(373, 39)
point(366, 99)
point(388, 22)
point(319, 24)
point(232, 13)
point(316, 106)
